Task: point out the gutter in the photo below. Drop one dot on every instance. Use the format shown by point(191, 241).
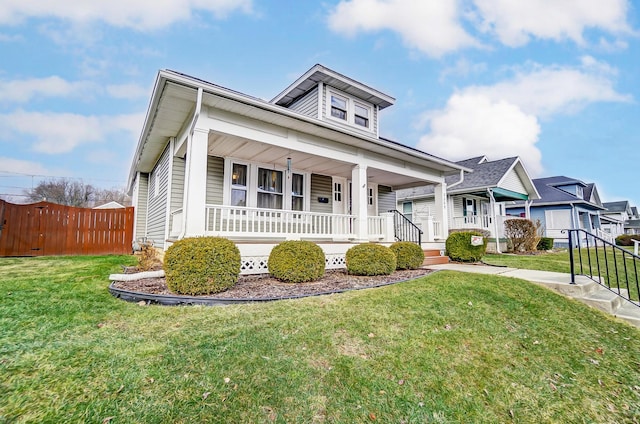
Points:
point(459, 181)
point(192, 127)
point(495, 221)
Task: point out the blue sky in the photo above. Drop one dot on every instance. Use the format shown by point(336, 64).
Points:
point(556, 82)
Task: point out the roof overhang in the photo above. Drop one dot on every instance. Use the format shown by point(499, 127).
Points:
point(174, 98)
point(319, 73)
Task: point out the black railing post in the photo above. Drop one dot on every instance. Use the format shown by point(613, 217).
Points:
point(573, 274)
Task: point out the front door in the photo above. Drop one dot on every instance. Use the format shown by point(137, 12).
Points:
point(340, 196)
point(372, 199)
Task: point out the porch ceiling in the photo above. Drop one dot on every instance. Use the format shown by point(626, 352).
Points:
point(224, 145)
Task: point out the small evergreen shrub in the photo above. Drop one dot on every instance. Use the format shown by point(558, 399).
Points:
point(408, 255)
point(459, 247)
point(201, 265)
point(523, 234)
point(297, 261)
point(626, 239)
point(484, 233)
point(545, 243)
point(370, 259)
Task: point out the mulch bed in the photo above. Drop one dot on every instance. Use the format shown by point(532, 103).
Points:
point(266, 287)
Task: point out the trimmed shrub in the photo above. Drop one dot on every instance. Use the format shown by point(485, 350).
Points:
point(626, 239)
point(523, 234)
point(370, 259)
point(297, 261)
point(408, 255)
point(545, 243)
point(484, 233)
point(459, 247)
point(201, 265)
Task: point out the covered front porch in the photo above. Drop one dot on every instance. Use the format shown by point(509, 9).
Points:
point(485, 210)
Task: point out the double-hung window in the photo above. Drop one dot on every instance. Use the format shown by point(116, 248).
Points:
point(297, 192)
point(361, 115)
point(270, 191)
point(239, 185)
point(338, 107)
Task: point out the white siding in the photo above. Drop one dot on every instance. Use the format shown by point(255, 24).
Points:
point(386, 199)
point(215, 180)
point(158, 199)
point(513, 182)
point(177, 184)
point(321, 187)
point(141, 207)
point(307, 104)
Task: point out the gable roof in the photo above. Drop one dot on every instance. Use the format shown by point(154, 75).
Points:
point(486, 174)
point(550, 194)
point(617, 207)
point(174, 105)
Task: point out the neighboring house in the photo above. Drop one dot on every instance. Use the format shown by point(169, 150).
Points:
point(309, 164)
point(110, 205)
point(632, 225)
point(565, 203)
point(614, 217)
point(475, 200)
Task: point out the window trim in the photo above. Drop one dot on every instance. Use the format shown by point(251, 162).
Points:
point(352, 102)
point(252, 184)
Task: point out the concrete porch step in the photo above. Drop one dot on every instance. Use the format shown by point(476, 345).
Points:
point(604, 300)
point(434, 257)
point(629, 312)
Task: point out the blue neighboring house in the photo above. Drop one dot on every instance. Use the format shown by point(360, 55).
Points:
point(565, 203)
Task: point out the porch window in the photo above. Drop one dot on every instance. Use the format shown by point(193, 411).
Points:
point(337, 192)
point(269, 188)
point(361, 115)
point(239, 185)
point(297, 192)
point(338, 107)
point(407, 210)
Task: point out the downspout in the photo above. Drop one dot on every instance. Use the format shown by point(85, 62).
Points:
point(459, 181)
point(192, 127)
point(495, 221)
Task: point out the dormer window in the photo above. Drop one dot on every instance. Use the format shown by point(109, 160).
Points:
point(338, 107)
point(361, 115)
point(349, 110)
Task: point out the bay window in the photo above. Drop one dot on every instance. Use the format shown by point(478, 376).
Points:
point(269, 189)
point(297, 192)
point(239, 185)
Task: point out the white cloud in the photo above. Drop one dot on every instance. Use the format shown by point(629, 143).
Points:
point(503, 119)
point(21, 91)
point(127, 91)
point(515, 22)
point(432, 27)
point(544, 91)
point(472, 125)
point(140, 15)
point(18, 166)
point(54, 133)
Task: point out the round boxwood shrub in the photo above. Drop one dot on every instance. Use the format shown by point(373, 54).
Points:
point(545, 243)
point(201, 265)
point(408, 255)
point(297, 261)
point(370, 259)
point(459, 247)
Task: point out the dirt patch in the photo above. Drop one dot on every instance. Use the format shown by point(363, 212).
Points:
point(266, 287)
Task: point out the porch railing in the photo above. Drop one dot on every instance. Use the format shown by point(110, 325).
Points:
point(472, 221)
point(404, 229)
point(611, 266)
point(232, 221)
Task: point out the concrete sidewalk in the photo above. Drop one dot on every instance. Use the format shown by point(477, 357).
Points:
point(584, 290)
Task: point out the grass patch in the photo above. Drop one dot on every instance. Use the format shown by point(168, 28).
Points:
point(449, 347)
point(609, 259)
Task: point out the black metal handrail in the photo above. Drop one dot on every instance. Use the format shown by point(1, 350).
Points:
point(404, 229)
point(615, 270)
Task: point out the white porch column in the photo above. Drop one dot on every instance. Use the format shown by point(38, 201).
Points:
point(195, 184)
point(441, 213)
point(359, 201)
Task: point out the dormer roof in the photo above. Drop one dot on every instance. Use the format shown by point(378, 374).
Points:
point(319, 73)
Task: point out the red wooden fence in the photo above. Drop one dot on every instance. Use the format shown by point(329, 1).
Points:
point(45, 229)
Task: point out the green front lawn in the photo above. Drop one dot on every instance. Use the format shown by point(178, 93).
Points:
point(449, 347)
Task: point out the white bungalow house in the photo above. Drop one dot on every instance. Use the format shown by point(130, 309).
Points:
point(475, 200)
point(309, 164)
point(614, 217)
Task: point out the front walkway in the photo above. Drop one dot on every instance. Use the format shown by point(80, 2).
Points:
point(585, 290)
